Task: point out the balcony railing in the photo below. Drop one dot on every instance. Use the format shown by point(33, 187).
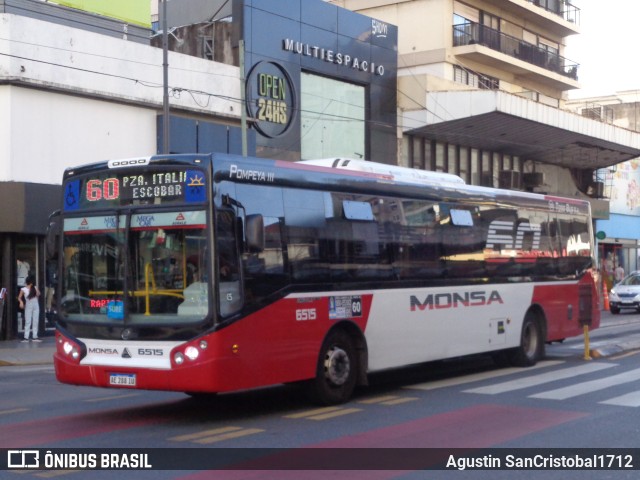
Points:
point(473, 33)
point(562, 8)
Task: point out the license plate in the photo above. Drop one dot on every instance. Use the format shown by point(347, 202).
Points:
point(123, 379)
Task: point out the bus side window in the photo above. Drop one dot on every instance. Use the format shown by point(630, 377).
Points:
point(262, 212)
point(416, 240)
point(576, 245)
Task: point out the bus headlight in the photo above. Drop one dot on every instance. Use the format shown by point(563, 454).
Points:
point(69, 348)
point(178, 357)
point(192, 353)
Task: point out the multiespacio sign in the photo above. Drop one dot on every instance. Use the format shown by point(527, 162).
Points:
point(331, 56)
point(378, 30)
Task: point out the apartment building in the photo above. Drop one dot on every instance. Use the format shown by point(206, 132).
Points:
point(482, 88)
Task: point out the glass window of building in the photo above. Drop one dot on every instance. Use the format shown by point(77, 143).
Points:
point(475, 166)
point(452, 157)
point(332, 118)
point(418, 149)
point(463, 163)
point(440, 157)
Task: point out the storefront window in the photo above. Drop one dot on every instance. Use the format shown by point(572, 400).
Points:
point(332, 118)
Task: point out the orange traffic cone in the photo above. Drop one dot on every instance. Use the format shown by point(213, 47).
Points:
point(606, 297)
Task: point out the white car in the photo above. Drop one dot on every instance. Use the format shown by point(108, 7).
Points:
point(626, 294)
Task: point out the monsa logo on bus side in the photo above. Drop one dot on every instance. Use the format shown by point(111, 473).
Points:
point(455, 300)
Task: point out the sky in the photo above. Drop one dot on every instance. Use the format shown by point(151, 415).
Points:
point(606, 48)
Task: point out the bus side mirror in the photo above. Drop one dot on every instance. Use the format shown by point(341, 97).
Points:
point(52, 240)
point(254, 233)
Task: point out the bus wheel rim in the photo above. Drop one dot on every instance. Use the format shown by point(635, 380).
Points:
point(530, 341)
point(337, 366)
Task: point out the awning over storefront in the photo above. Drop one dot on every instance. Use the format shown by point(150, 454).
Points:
point(25, 207)
point(503, 122)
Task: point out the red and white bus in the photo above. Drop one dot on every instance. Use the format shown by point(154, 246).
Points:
point(215, 273)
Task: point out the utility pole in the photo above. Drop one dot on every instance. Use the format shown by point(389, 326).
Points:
point(243, 100)
point(165, 80)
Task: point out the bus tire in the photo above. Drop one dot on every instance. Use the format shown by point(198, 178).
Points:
point(336, 371)
point(531, 347)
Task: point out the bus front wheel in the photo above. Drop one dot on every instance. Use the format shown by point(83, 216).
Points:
point(336, 372)
point(531, 347)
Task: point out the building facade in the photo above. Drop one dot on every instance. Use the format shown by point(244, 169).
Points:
point(307, 78)
point(482, 93)
point(320, 80)
point(482, 87)
point(619, 235)
point(77, 87)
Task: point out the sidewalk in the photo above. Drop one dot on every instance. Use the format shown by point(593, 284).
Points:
point(14, 352)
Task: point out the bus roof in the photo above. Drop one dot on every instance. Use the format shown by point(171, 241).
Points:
point(359, 175)
point(401, 174)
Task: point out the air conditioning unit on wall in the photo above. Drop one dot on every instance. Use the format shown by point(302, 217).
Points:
point(533, 179)
point(509, 179)
point(596, 190)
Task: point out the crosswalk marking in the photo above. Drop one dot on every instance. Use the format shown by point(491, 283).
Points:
point(55, 473)
point(631, 399)
point(228, 436)
point(15, 410)
point(112, 397)
point(379, 399)
point(324, 413)
point(387, 400)
point(589, 387)
point(216, 435)
point(27, 369)
point(531, 381)
point(205, 433)
point(310, 413)
point(400, 400)
point(452, 382)
point(624, 355)
point(344, 411)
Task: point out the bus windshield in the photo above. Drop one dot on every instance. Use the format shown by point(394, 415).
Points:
point(145, 268)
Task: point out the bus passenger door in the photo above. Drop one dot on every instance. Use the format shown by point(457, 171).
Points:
point(228, 263)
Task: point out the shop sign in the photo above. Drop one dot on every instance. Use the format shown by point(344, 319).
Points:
point(271, 98)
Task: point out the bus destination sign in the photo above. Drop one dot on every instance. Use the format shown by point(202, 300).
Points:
point(157, 187)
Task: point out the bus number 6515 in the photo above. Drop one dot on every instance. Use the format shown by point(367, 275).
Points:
point(304, 314)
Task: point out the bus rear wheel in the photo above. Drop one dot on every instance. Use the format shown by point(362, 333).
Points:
point(336, 372)
point(531, 347)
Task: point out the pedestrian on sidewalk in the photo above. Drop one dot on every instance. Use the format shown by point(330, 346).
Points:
point(619, 273)
point(28, 298)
